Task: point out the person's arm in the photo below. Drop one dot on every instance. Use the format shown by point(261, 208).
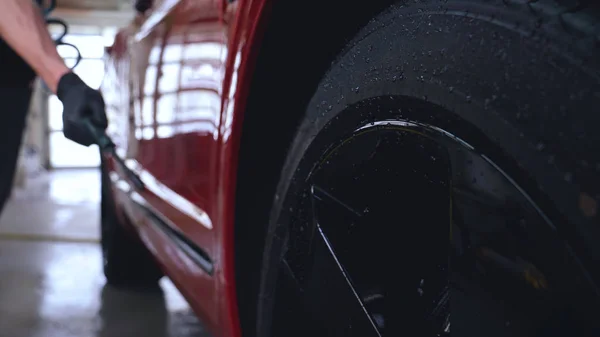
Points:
point(24, 30)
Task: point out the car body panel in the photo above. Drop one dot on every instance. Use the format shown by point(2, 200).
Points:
point(175, 93)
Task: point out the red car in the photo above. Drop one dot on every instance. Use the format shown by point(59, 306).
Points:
point(338, 168)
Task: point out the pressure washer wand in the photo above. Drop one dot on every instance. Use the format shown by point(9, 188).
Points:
point(108, 147)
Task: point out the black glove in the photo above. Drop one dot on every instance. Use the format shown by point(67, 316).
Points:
point(81, 105)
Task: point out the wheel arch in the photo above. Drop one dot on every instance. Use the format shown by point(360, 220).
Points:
point(300, 41)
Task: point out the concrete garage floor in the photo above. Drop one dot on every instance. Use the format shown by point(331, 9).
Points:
point(51, 281)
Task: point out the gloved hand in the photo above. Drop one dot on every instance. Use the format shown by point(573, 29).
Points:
point(81, 104)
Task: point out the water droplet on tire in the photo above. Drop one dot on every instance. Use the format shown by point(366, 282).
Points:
point(568, 176)
point(540, 146)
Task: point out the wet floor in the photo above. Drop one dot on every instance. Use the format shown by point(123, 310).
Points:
point(51, 282)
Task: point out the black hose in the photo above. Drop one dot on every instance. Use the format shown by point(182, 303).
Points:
point(59, 40)
point(54, 21)
point(48, 9)
point(78, 58)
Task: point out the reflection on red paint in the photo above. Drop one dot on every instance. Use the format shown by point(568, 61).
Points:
point(175, 98)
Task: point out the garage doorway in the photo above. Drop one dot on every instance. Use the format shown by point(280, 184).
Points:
point(64, 153)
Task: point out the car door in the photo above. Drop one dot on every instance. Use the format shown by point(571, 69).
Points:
point(177, 62)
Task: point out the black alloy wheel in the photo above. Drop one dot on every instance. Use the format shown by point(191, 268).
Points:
point(393, 221)
point(430, 185)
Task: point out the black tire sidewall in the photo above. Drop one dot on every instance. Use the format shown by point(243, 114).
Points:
point(127, 263)
point(110, 231)
point(106, 209)
point(509, 80)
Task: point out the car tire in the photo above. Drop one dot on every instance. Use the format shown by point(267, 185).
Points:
point(513, 85)
point(126, 261)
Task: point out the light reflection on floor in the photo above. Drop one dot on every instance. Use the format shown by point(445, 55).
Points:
point(52, 283)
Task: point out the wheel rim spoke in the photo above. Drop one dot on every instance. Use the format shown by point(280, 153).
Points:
point(332, 295)
point(329, 294)
point(320, 194)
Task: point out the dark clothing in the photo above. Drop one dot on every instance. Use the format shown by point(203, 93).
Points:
point(16, 78)
point(14, 71)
